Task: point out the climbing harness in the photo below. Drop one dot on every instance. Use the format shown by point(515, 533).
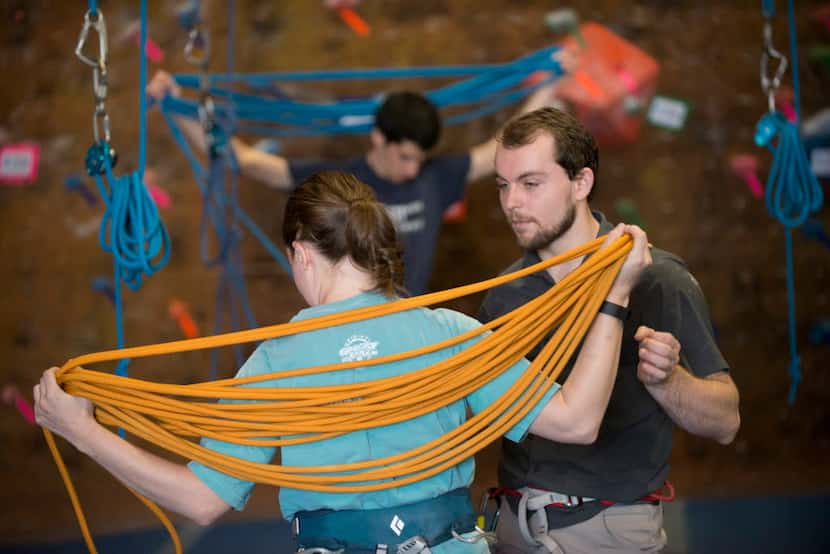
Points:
point(402, 528)
point(531, 505)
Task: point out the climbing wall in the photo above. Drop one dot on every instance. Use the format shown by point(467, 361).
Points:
point(681, 184)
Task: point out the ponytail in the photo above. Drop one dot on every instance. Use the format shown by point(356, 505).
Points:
point(340, 216)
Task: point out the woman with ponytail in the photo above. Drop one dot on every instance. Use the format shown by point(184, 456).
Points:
point(344, 255)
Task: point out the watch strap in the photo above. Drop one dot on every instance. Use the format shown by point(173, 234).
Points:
point(620, 312)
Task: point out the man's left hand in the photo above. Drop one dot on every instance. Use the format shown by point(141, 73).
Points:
point(659, 354)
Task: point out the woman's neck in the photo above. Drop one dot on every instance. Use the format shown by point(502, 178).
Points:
point(345, 281)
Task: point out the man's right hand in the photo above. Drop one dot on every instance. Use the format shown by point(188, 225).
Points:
point(161, 85)
point(637, 260)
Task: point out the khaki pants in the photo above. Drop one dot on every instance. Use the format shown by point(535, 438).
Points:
point(622, 528)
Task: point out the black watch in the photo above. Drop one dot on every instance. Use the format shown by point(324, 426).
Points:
point(620, 312)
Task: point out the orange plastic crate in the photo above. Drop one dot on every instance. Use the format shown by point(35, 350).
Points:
point(612, 86)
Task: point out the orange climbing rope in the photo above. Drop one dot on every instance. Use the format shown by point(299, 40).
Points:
point(171, 416)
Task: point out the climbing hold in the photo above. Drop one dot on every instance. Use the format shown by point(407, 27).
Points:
point(628, 212)
point(345, 9)
point(103, 284)
point(784, 103)
point(745, 166)
point(157, 193)
point(11, 397)
point(74, 183)
point(456, 213)
point(19, 163)
point(178, 311)
point(565, 20)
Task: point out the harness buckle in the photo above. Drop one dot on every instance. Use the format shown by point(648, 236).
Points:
point(414, 545)
point(573, 501)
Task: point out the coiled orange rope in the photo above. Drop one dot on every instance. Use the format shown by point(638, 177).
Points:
point(172, 415)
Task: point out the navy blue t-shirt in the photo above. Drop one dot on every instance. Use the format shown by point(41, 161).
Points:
point(415, 206)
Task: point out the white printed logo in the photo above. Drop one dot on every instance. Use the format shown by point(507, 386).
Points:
point(407, 218)
point(357, 348)
point(397, 525)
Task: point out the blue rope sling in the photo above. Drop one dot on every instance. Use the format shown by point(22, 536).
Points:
point(130, 228)
point(792, 190)
point(490, 88)
point(356, 116)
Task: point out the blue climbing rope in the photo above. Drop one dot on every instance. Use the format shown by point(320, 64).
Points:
point(222, 220)
point(488, 88)
point(130, 229)
point(792, 190)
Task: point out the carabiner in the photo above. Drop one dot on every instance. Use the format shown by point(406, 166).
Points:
point(99, 84)
point(770, 86)
point(478, 534)
point(206, 111)
point(95, 22)
point(100, 114)
point(197, 48)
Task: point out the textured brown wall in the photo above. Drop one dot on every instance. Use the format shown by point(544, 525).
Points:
point(692, 204)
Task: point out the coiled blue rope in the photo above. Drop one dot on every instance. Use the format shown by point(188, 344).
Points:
point(792, 190)
point(131, 229)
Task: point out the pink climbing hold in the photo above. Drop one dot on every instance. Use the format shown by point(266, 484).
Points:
point(745, 166)
point(152, 50)
point(19, 163)
point(158, 194)
point(12, 397)
point(784, 103)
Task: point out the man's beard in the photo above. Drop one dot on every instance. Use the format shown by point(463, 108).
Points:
point(545, 237)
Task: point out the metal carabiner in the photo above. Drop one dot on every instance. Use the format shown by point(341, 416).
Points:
point(478, 534)
point(99, 84)
point(770, 86)
point(95, 22)
point(100, 114)
point(197, 48)
point(206, 111)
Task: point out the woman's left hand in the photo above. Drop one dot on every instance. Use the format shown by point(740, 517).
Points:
point(66, 415)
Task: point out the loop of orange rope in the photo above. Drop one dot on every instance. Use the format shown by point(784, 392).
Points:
point(171, 415)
